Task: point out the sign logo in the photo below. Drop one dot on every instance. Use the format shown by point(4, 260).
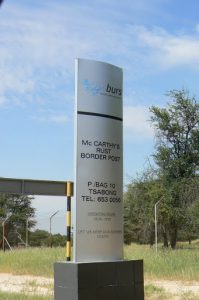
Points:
point(92, 87)
point(95, 89)
point(114, 91)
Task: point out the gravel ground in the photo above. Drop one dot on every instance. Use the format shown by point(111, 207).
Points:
point(176, 286)
point(25, 284)
point(44, 286)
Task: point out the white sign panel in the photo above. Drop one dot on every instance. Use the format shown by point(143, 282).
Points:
point(98, 225)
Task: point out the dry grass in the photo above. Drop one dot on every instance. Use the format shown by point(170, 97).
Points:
point(180, 264)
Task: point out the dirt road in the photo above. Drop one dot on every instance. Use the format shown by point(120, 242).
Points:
point(41, 285)
point(25, 284)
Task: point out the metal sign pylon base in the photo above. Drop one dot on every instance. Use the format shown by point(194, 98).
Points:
point(116, 280)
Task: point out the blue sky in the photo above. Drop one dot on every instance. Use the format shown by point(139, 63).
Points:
point(156, 43)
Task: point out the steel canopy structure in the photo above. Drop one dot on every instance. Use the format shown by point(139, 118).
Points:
point(45, 188)
point(32, 187)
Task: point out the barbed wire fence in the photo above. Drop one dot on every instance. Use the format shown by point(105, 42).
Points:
point(45, 232)
point(51, 232)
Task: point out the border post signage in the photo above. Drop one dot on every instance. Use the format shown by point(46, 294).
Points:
point(98, 216)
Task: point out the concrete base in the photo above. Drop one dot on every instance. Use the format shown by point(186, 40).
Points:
point(116, 280)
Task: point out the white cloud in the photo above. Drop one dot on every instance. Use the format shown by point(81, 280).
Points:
point(2, 99)
point(51, 118)
point(170, 50)
point(136, 122)
point(58, 119)
point(38, 47)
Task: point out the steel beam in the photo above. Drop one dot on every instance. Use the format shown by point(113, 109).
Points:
point(33, 187)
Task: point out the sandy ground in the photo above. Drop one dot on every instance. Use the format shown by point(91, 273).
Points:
point(176, 287)
point(25, 284)
point(42, 285)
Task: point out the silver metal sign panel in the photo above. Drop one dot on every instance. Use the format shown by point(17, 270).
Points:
point(98, 219)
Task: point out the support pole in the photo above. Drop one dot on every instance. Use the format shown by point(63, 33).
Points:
point(26, 233)
point(3, 236)
point(69, 194)
point(156, 231)
point(51, 244)
point(8, 243)
point(3, 224)
point(156, 227)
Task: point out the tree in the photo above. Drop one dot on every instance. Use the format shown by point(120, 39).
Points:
point(177, 155)
point(139, 201)
point(19, 210)
point(59, 240)
point(190, 226)
point(39, 238)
